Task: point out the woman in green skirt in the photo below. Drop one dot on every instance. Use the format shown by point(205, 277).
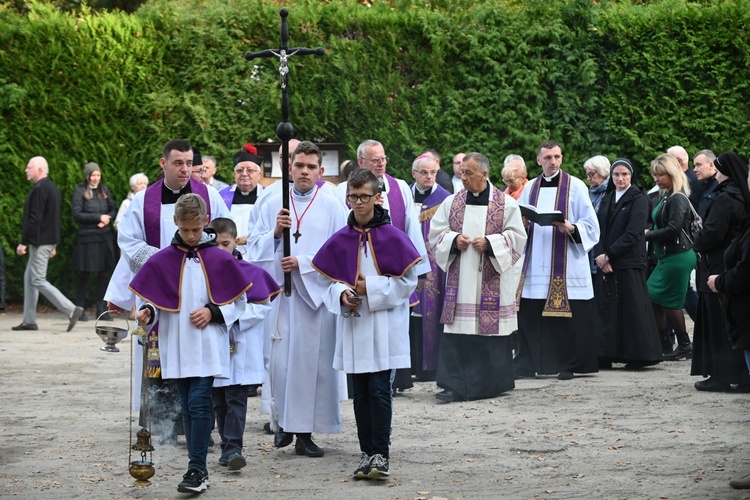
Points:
point(673, 248)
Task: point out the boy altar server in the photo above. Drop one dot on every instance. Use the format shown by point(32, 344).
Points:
point(370, 261)
point(195, 291)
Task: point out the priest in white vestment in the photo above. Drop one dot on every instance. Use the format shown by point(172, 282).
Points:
point(559, 329)
point(303, 386)
point(478, 237)
point(148, 226)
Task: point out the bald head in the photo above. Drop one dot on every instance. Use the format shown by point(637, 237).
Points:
point(681, 155)
point(37, 169)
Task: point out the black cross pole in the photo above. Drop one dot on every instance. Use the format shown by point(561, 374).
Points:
point(285, 130)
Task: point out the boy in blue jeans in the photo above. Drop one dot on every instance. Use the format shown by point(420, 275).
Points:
point(371, 265)
point(246, 351)
point(195, 291)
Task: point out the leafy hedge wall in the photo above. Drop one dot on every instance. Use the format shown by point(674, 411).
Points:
point(610, 78)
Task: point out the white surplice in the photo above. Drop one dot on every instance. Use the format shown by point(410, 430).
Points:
point(242, 213)
point(187, 351)
point(303, 390)
point(507, 248)
point(578, 270)
point(246, 363)
point(379, 339)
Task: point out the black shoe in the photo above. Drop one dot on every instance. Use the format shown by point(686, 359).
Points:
point(305, 446)
point(378, 467)
point(193, 481)
point(363, 468)
point(83, 317)
point(683, 351)
point(252, 391)
point(565, 376)
point(712, 385)
point(282, 439)
point(742, 388)
point(236, 461)
point(267, 428)
point(25, 326)
point(448, 396)
point(74, 317)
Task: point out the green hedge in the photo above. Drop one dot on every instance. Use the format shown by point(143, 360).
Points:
point(611, 78)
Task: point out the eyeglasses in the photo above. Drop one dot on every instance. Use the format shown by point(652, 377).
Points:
point(248, 170)
point(426, 172)
point(589, 175)
point(509, 181)
point(200, 170)
point(364, 198)
point(375, 161)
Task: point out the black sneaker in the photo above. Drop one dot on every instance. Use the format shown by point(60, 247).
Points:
point(363, 468)
point(378, 467)
point(193, 481)
point(236, 461)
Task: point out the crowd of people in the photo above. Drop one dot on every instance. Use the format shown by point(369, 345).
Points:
point(448, 279)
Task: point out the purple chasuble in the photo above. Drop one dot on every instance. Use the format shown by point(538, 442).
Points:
point(489, 304)
point(152, 209)
point(431, 297)
point(264, 287)
point(160, 279)
point(392, 252)
point(557, 304)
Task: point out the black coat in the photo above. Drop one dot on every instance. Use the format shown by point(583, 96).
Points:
point(41, 214)
point(734, 285)
point(673, 221)
point(622, 227)
point(87, 213)
point(720, 226)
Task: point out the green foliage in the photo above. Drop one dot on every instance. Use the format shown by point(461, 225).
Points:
point(495, 76)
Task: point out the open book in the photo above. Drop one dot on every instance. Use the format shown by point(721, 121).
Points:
point(541, 218)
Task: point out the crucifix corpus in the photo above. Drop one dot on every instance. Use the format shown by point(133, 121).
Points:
point(285, 130)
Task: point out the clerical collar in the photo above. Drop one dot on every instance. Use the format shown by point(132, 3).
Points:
point(549, 179)
point(247, 193)
point(553, 181)
point(482, 198)
point(169, 196)
point(420, 196)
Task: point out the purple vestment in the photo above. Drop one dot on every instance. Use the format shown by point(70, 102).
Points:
point(392, 252)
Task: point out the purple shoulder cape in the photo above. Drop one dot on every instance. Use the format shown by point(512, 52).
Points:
point(392, 251)
point(264, 287)
point(160, 279)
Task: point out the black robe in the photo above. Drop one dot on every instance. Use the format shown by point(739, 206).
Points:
point(630, 331)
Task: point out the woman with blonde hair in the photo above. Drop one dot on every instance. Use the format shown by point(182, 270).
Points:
point(673, 248)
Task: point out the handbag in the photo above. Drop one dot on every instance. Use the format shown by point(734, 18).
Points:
point(696, 225)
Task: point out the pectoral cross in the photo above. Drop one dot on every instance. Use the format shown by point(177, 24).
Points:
point(285, 130)
point(296, 235)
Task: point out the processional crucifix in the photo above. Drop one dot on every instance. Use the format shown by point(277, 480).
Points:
point(285, 130)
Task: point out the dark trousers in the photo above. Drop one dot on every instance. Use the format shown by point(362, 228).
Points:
point(102, 280)
point(373, 411)
point(195, 396)
point(230, 408)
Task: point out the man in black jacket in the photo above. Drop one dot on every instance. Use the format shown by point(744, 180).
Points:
point(41, 233)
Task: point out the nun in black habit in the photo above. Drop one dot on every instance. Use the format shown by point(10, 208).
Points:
point(630, 332)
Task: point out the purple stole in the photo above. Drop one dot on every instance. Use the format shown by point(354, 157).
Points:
point(557, 304)
point(152, 209)
point(392, 252)
point(228, 196)
point(152, 228)
point(489, 306)
point(431, 297)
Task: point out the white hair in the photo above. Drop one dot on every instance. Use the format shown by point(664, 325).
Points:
point(136, 177)
point(599, 164)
